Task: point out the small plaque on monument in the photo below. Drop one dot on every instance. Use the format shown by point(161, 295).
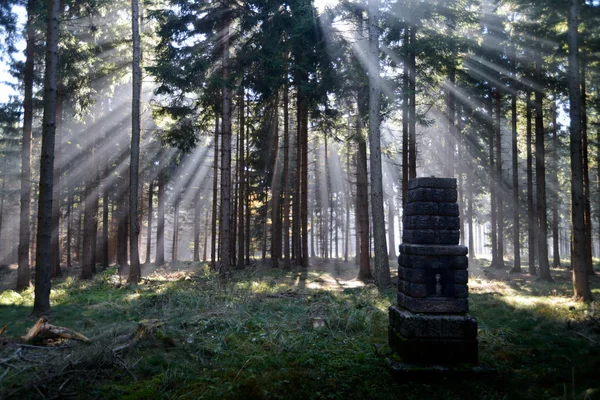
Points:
point(430, 324)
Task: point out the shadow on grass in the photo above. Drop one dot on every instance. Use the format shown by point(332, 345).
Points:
point(227, 339)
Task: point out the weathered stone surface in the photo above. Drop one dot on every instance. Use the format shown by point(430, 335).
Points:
point(431, 208)
point(433, 250)
point(432, 194)
point(420, 290)
point(424, 275)
point(413, 289)
point(433, 351)
point(440, 305)
point(431, 222)
point(435, 261)
point(409, 325)
point(430, 236)
point(431, 182)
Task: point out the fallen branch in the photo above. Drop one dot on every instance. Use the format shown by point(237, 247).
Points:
point(42, 330)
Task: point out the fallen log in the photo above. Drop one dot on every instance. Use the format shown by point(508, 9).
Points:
point(42, 330)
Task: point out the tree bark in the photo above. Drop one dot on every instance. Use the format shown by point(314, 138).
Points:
point(540, 176)
point(586, 174)
point(105, 227)
point(515, 189)
point(531, 211)
point(470, 177)
point(362, 203)
point(304, 189)
point(224, 228)
point(175, 243)
point(160, 218)
point(42, 268)
point(347, 198)
point(56, 188)
point(276, 195)
point(581, 286)
point(134, 228)
point(286, 178)
point(382, 266)
point(493, 188)
point(150, 212)
point(412, 110)
point(325, 207)
point(405, 99)
point(392, 229)
point(215, 200)
point(205, 236)
point(242, 182)
point(499, 180)
point(86, 265)
point(23, 272)
point(555, 190)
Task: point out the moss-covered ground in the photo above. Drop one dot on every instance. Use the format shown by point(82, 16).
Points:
point(298, 334)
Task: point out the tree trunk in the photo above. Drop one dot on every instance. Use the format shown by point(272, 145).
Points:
point(304, 262)
point(555, 190)
point(150, 211)
point(160, 218)
point(286, 178)
point(70, 201)
point(325, 207)
point(213, 241)
point(55, 239)
point(470, 177)
point(451, 106)
point(347, 196)
point(41, 303)
point(86, 265)
point(23, 272)
point(224, 228)
point(175, 243)
point(248, 211)
point(95, 207)
point(515, 190)
point(531, 211)
point(581, 285)
point(382, 265)
point(134, 228)
point(540, 177)
point(405, 99)
point(362, 203)
point(586, 174)
point(493, 187)
point(123, 221)
point(105, 227)
point(392, 229)
point(243, 192)
point(499, 181)
point(276, 195)
point(2, 196)
point(205, 236)
point(412, 114)
point(197, 216)
point(296, 256)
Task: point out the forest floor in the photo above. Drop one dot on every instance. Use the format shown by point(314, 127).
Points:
point(299, 334)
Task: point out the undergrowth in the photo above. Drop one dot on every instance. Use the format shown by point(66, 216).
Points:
point(256, 336)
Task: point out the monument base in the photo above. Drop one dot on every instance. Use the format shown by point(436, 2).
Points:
point(432, 339)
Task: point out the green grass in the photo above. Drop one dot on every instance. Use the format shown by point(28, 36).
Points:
point(252, 338)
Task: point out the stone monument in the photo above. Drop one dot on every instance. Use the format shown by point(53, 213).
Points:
point(430, 324)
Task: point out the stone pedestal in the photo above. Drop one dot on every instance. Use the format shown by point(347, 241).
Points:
point(430, 324)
